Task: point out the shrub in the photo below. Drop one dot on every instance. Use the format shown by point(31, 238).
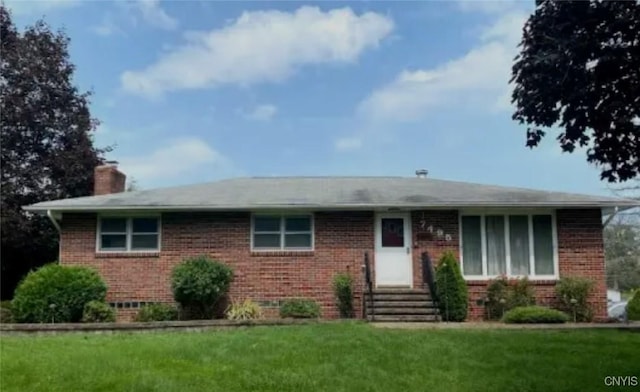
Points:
point(534, 314)
point(98, 312)
point(451, 289)
point(633, 307)
point(5, 312)
point(198, 283)
point(497, 294)
point(157, 312)
point(520, 293)
point(573, 295)
point(56, 293)
point(343, 290)
point(246, 310)
point(299, 308)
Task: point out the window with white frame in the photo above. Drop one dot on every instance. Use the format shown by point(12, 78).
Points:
point(282, 232)
point(132, 234)
point(508, 244)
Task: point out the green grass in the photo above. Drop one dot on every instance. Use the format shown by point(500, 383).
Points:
point(323, 357)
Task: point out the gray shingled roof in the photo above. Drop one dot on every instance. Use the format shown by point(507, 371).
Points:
point(328, 192)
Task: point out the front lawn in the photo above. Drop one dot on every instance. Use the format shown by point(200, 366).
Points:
point(324, 357)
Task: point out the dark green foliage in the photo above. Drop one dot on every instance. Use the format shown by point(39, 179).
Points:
point(47, 149)
point(451, 289)
point(633, 307)
point(343, 290)
point(573, 295)
point(503, 295)
point(5, 312)
point(198, 284)
point(55, 293)
point(98, 312)
point(521, 293)
point(497, 295)
point(157, 312)
point(534, 314)
point(579, 71)
point(300, 308)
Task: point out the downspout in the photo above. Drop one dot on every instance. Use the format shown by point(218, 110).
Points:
point(57, 226)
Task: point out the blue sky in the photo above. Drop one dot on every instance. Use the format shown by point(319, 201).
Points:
point(200, 90)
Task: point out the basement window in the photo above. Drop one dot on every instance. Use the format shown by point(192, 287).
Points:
point(128, 234)
point(282, 232)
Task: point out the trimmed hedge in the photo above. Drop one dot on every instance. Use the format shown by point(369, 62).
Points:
point(534, 315)
point(451, 288)
point(56, 293)
point(98, 312)
point(343, 290)
point(300, 308)
point(633, 307)
point(157, 312)
point(198, 284)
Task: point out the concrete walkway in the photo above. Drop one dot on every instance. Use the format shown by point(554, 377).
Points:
point(634, 325)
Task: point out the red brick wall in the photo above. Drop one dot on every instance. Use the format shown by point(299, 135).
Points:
point(341, 239)
point(434, 232)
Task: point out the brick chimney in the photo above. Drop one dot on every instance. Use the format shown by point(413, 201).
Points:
point(108, 179)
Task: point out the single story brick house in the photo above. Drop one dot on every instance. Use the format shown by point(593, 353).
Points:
point(288, 236)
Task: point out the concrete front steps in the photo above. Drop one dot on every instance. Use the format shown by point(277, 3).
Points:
point(401, 305)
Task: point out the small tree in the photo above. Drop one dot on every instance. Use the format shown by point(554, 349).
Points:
point(343, 290)
point(451, 289)
point(198, 284)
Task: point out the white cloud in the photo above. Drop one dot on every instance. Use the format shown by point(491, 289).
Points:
point(489, 6)
point(154, 15)
point(176, 158)
point(22, 7)
point(479, 77)
point(348, 144)
point(262, 113)
point(261, 46)
point(107, 27)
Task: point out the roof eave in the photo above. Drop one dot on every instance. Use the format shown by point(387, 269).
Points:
point(604, 204)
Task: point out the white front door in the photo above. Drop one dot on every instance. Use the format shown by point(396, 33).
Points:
point(393, 250)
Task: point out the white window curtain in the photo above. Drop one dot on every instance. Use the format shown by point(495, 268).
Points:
point(519, 244)
point(496, 252)
point(515, 245)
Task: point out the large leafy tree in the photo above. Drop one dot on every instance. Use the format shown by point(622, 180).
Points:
point(579, 70)
point(47, 149)
point(622, 254)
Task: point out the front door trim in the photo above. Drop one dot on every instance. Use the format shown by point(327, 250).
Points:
point(393, 266)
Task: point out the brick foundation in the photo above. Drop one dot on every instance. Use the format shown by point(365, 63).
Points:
point(341, 239)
